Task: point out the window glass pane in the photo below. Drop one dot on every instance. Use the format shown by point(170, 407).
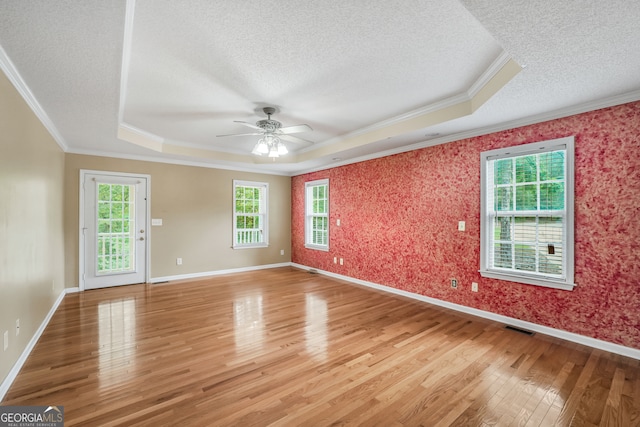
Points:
point(503, 171)
point(526, 170)
point(502, 228)
point(525, 229)
point(551, 229)
point(552, 166)
point(550, 258)
point(502, 255)
point(552, 196)
point(503, 199)
point(526, 197)
point(116, 192)
point(525, 257)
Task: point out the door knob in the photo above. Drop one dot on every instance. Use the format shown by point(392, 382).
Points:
point(142, 238)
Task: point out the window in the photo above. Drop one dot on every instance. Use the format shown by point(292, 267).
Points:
point(250, 221)
point(317, 215)
point(526, 228)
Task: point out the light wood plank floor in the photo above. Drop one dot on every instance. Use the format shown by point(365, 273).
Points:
point(285, 347)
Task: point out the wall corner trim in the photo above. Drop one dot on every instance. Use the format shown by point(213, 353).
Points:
point(13, 373)
point(557, 333)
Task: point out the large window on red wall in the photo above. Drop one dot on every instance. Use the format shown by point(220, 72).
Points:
point(316, 226)
point(527, 213)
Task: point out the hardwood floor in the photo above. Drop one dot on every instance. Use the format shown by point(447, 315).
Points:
point(285, 347)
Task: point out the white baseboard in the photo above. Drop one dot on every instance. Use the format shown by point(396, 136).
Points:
point(216, 272)
point(13, 373)
point(558, 333)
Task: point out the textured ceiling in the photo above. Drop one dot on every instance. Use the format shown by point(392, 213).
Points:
point(158, 80)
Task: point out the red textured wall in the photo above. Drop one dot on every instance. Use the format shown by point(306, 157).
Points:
point(399, 217)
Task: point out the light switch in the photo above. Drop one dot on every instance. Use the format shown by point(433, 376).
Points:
point(156, 221)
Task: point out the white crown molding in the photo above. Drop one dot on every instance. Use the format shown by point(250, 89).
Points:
point(18, 82)
point(558, 333)
point(612, 101)
point(493, 70)
point(172, 161)
point(466, 96)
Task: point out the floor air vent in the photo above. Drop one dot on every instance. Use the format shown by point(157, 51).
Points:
point(522, 331)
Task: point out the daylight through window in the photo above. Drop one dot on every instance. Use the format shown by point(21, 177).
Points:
point(317, 214)
point(527, 214)
point(250, 223)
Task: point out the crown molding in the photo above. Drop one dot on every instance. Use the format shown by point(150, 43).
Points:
point(18, 82)
point(612, 101)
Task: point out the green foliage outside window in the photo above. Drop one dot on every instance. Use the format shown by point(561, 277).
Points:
point(115, 216)
point(532, 183)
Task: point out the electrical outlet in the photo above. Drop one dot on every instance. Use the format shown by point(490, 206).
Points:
point(454, 283)
point(341, 261)
point(335, 259)
point(281, 251)
point(461, 225)
point(178, 261)
point(17, 327)
point(6, 340)
point(474, 287)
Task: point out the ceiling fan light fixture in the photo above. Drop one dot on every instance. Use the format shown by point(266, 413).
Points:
point(262, 147)
point(273, 152)
point(270, 130)
point(282, 150)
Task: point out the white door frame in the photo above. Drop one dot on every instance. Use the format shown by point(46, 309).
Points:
point(81, 238)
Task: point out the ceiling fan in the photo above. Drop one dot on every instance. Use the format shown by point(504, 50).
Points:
point(272, 132)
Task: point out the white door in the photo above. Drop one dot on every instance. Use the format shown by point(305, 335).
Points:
point(113, 230)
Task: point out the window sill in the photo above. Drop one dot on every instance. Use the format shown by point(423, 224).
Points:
point(528, 280)
point(317, 248)
point(260, 245)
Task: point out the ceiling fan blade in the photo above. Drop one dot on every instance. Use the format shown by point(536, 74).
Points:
point(295, 139)
point(241, 134)
point(251, 125)
point(295, 129)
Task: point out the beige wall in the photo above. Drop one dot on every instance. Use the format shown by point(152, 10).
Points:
point(31, 223)
point(195, 205)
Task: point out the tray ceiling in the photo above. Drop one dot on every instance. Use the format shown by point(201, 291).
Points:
point(158, 80)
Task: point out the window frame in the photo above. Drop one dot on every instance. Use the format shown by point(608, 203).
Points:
point(566, 281)
point(263, 214)
point(309, 215)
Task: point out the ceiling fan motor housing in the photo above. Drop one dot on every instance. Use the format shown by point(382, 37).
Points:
point(269, 125)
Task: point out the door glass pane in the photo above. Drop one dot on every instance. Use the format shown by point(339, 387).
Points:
point(116, 226)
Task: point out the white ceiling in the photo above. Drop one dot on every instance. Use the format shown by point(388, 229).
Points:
point(158, 80)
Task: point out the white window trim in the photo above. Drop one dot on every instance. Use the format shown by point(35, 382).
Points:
point(567, 283)
point(265, 215)
point(308, 216)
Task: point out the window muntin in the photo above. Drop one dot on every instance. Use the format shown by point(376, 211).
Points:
point(527, 214)
point(250, 222)
point(317, 214)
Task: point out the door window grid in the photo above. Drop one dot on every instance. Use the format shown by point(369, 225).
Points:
point(115, 236)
